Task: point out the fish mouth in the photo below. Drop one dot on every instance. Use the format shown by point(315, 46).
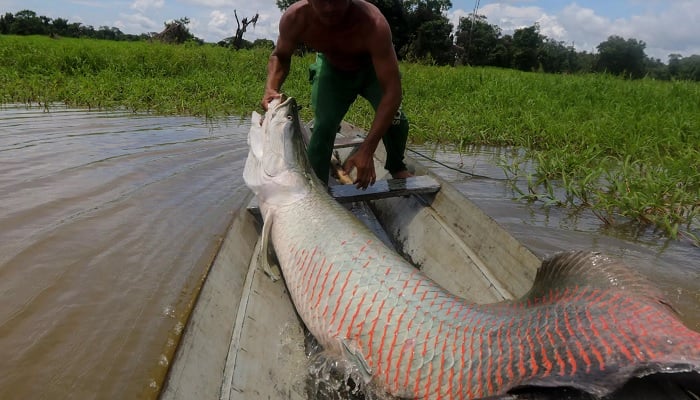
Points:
point(282, 101)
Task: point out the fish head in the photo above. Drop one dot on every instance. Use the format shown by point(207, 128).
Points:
point(277, 169)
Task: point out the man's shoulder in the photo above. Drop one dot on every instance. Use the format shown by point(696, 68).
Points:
point(371, 18)
point(299, 12)
point(369, 11)
point(295, 18)
point(300, 7)
point(367, 7)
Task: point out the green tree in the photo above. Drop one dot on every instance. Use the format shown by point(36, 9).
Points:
point(654, 68)
point(108, 33)
point(284, 4)
point(432, 43)
point(555, 56)
point(264, 44)
point(621, 57)
point(26, 22)
point(477, 41)
point(674, 61)
point(526, 46)
point(692, 67)
point(687, 68)
point(59, 26)
point(395, 14)
point(6, 23)
point(431, 31)
point(502, 54)
point(585, 61)
point(74, 29)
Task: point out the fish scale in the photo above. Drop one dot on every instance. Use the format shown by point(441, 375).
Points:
point(588, 322)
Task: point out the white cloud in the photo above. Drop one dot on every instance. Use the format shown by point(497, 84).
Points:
point(218, 25)
point(552, 28)
point(510, 18)
point(217, 19)
point(675, 29)
point(137, 23)
point(93, 4)
point(586, 29)
point(214, 3)
point(143, 5)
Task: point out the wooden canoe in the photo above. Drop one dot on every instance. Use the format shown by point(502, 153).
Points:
point(244, 339)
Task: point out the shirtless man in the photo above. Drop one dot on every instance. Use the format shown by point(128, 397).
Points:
point(356, 56)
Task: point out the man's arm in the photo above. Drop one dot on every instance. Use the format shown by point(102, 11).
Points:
point(386, 67)
point(281, 58)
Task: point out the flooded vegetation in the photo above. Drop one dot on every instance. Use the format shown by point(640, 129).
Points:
point(626, 149)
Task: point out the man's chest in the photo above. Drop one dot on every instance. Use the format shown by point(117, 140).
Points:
point(347, 42)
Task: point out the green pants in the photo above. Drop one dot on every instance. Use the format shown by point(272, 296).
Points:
point(332, 93)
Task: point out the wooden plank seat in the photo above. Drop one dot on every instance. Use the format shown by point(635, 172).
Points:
point(385, 188)
point(352, 141)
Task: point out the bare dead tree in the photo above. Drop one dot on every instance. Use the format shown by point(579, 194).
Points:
point(242, 26)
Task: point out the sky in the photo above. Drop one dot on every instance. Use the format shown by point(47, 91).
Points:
point(666, 26)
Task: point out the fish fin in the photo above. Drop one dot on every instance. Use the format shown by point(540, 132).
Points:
point(252, 172)
point(265, 256)
point(574, 269)
point(356, 357)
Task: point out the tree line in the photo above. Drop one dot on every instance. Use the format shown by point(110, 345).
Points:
point(27, 22)
point(423, 33)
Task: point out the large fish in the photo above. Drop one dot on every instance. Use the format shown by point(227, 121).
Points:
point(588, 322)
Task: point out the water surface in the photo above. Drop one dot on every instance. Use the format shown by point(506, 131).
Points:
point(109, 222)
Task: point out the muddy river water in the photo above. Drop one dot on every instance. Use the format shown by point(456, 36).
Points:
point(109, 220)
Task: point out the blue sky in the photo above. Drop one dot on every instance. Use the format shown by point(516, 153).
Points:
point(666, 26)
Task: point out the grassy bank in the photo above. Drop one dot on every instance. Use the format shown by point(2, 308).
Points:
point(627, 149)
point(138, 76)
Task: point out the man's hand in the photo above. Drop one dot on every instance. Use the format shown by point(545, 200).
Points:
point(364, 162)
point(268, 97)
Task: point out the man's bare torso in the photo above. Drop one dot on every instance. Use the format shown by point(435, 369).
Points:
point(345, 45)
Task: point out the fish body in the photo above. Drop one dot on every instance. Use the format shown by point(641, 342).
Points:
point(589, 322)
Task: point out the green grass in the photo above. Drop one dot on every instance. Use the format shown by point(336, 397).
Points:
point(629, 150)
point(138, 76)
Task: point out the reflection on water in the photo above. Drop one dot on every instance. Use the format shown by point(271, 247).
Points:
point(109, 222)
point(673, 265)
